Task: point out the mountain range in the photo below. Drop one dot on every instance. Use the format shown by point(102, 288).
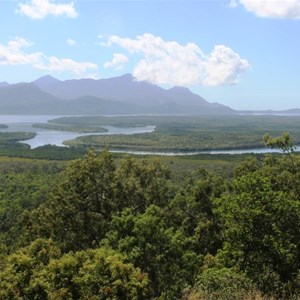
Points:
point(118, 95)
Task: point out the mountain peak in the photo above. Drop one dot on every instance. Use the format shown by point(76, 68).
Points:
point(45, 81)
point(127, 76)
point(123, 94)
point(4, 84)
point(47, 77)
point(179, 89)
point(123, 78)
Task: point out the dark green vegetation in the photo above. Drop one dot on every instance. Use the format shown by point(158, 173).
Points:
point(179, 166)
point(185, 133)
point(128, 228)
point(8, 137)
point(24, 185)
point(10, 146)
point(76, 128)
point(45, 152)
point(10, 140)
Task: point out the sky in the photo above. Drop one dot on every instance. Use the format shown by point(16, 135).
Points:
point(240, 53)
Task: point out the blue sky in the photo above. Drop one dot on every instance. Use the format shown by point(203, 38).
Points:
point(243, 53)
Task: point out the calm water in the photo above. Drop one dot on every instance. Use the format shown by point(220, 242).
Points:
point(240, 151)
point(54, 137)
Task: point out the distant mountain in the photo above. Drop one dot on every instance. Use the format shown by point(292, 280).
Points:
point(4, 84)
point(119, 95)
point(291, 111)
point(88, 105)
point(125, 89)
point(25, 98)
point(23, 94)
point(46, 82)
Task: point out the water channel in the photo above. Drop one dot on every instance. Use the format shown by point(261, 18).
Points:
point(18, 123)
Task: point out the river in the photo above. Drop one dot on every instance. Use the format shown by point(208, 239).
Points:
point(54, 137)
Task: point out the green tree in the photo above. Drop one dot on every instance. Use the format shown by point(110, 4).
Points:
point(164, 253)
point(192, 210)
point(249, 165)
point(139, 184)
point(94, 274)
point(23, 186)
point(79, 210)
point(261, 230)
point(284, 143)
point(19, 273)
point(216, 282)
point(39, 272)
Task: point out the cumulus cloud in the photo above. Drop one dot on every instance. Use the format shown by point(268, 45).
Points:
point(118, 61)
point(17, 43)
point(39, 9)
point(283, 9)
point(170, 63)
point(224, 66)
point(54, 64)
point(14, 54)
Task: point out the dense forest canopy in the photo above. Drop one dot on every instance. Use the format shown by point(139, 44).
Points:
point(101, 228)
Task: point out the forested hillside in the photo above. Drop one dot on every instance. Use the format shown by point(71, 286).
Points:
point(101, 228)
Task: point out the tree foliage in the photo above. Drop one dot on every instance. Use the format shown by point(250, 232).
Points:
point(107, 229)
point(38, 272)
point(157, 249)
point(261, 231)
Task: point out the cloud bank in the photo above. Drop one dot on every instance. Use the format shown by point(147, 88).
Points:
point(13, 54)
point(39, 9)
point(170, 63)
point(282, 9)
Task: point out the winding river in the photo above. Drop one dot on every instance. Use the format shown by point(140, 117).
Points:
point(47, 136)
point(54, 137)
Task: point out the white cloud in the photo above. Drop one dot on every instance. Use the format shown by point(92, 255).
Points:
point(118, 61)
point(54, 64)
point(71, 42)
point(39, 9)
point(13, 54)
point(17, 43)
point(225, 66)
point(283, 9)
point(174, 64)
